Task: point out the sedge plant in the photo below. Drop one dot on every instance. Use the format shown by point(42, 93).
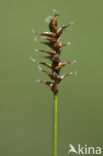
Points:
point(52, 40)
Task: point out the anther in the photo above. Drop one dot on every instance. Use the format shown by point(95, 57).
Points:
point(74, 61)
point(54, 10)
point(69, 43)
point(36, 50)
point(70, 73)
point(72, 22)
point(75, 73)
point(35, 39)
point(57, 12)
point(39, 68)
point(34, 32)
point(33, 60)
point(37, 80)
point(47, 20)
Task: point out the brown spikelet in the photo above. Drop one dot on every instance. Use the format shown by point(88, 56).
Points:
point(53, 41)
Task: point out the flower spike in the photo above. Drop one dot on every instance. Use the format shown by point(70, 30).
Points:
point(53, 41)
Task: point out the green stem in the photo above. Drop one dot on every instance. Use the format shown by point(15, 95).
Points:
point(55, 126)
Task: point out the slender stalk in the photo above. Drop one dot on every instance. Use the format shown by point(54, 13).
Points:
point(55, 126)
